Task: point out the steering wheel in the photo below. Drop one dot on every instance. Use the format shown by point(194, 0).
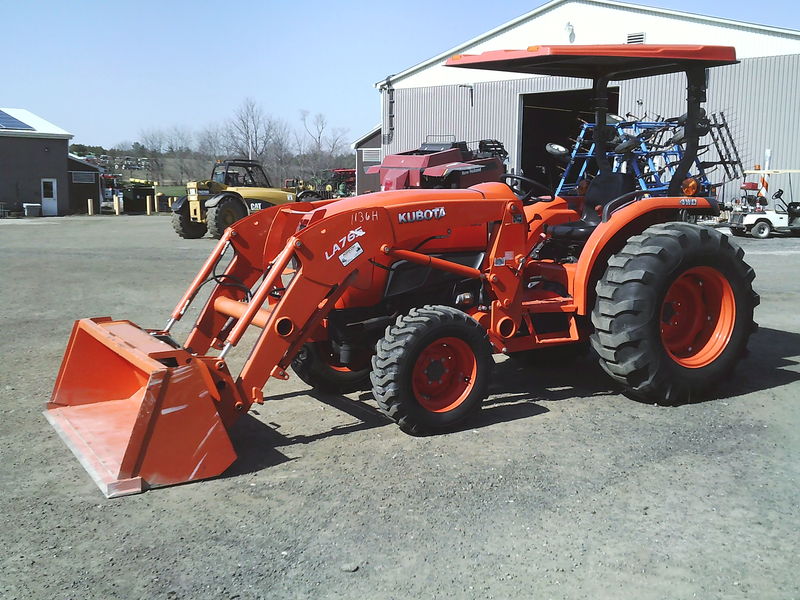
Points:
point(517, 189)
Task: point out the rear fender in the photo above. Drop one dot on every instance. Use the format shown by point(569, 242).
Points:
point(214, 200)
point(610, 236)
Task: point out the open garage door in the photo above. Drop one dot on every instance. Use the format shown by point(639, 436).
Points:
point(554, 117)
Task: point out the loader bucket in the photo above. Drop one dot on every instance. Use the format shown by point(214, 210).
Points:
point(136, 411)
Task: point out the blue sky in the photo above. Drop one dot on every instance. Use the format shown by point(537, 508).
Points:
point(106, 71)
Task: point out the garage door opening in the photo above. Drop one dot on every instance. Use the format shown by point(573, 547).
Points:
point(554, 117)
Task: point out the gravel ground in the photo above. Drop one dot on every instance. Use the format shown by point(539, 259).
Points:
point(560, 489)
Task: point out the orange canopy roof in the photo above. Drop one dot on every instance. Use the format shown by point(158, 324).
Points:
point(615, 61)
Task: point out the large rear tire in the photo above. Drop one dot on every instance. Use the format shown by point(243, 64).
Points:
point(674, 312)
point(315, 366)
point(185, 227)
point(227, 211)
point(431, 369)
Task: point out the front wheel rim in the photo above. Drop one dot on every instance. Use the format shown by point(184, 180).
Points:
point(444, 374)
point(698, 315)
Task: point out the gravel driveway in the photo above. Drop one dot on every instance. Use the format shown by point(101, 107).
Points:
point(562, 488)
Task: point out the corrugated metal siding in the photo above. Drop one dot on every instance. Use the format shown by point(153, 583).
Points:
point(491, 112)
point(757, 96)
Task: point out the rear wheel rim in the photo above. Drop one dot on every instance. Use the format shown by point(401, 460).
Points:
point(698, 315)
point(444, 374)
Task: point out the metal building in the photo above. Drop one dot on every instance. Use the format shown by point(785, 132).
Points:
point(526, 112)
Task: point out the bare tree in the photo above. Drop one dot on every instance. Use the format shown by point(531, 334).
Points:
point(211, 141)
point(279, 159)
point(249, 132)
point(154, 141)
point(321, 147)
point(178, 142)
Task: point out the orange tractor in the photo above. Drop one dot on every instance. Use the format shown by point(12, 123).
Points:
point(412, 292)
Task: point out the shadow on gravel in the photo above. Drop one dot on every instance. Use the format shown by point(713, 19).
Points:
point(517, 385)
point(549, 380)
point(255, 444)
point(771, 352)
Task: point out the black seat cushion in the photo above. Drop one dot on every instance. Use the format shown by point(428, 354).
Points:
point(602, 190)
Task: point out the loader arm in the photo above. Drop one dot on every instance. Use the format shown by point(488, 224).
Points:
point(332, 248)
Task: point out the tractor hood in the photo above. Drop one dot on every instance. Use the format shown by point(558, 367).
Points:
point(405, 197)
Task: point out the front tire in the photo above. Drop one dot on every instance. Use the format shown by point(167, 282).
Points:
point(674, 312)
point(185, 227)
point(761, 230)
point(431, 369)
point(227, 211)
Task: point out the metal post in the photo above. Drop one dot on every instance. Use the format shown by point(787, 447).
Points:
point(116, 204)
point(90, 206)
point(149, 208)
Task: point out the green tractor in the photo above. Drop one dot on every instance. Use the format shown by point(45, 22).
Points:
point(235, 189)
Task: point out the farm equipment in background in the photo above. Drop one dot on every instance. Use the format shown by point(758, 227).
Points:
point(412, 291)
point(448, 164)
point(650, 151)
point(755, 215)
point(336, 183)
point(235, 189)
point(341, 182)
point(112, 187)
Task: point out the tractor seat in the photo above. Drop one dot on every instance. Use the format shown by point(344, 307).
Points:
point(602, 190)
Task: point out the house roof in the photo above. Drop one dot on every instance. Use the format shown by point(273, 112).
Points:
point(767, 29)
point(36, 126)
point(366, 137)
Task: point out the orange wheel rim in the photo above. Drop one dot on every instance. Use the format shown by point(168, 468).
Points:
point(697, 317)
point(444, 374)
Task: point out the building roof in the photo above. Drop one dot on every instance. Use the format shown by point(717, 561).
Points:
point(35, 126)
point(85, 163)
point(664, 12)
point(366, 137)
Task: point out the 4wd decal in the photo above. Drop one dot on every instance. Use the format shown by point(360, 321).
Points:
point(412, 216)
point(352, 235)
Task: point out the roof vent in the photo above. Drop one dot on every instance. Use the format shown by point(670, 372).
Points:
point(372, 155)
point(635, 38)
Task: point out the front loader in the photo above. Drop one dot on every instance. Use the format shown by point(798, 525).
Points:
point(411, 292)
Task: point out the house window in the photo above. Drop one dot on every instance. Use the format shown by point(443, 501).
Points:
point(82, 177)
point(636, 38)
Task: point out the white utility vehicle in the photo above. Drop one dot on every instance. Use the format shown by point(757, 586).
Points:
point(760, 219)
